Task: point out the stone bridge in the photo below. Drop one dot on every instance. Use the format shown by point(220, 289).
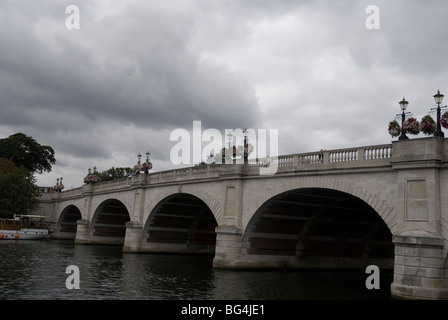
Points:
point(346, 208)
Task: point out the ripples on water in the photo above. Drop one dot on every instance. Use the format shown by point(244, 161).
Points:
point(36, 270)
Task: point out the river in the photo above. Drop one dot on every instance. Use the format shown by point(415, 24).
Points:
point(33, 270)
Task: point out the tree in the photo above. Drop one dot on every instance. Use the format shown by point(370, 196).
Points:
point(7, 166)
point(18, 192)
point(115, 173)
point(27, 152)
point(20, 157)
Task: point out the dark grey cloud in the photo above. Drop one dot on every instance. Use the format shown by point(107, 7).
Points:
point(133, 66)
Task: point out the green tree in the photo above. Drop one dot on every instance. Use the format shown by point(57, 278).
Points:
point(18, 192)
point(20, 158)
point(27, 152)
point(7, 166)
point(115, 173)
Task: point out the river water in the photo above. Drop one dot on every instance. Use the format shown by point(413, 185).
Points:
point(37, 270)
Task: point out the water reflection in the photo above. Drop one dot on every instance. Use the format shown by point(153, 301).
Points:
point(36, 270)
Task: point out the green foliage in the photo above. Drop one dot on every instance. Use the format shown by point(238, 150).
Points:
point(27, 152)
point(18, 192)
point(7, 166)
point(20, 157)
point(115, 173)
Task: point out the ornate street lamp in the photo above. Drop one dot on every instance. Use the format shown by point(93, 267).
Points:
point(229, 153)
point(229, 137)
point(59, 186)
point(245, 132)
point(403, 105)
point(147, 165)
point(438, 97)
point(139, 156)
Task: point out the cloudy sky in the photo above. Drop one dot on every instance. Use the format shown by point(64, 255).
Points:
point(135, 71)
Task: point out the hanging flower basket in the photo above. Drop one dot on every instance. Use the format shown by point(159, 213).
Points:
point(145, 167)
point(394, 129)
point(91, 178)
point(428, 125)
point(411, 126)
point(58, 187)
point(239, 151)
point(444, 120)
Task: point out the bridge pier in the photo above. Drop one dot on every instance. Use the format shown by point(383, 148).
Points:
point(228, 247)
point(419, 266)
point(82, 231)
point(420, 252)
point(133, 236)
point(84, 235)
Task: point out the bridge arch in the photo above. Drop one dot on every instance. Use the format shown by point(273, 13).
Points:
point(180, 223)
point(108, 222)
point(318, 227)
point(199, 192)
point(376, 199)
point(67, 223)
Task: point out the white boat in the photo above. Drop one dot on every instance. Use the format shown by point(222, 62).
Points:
point(24, 227)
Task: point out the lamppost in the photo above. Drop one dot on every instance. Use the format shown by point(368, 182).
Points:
point(139, 156)
point(403, 105)
point(245, 132)
point(228, 154)
point(438, 97)
point(59, 186)
point(147, 162)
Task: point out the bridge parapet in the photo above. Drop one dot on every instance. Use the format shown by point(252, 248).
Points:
point(188, 173)
point(367, 156)
point(162, 177)
point(118, 184)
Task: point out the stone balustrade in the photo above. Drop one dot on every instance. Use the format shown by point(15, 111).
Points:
point(327, 159)
point(324, 159)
